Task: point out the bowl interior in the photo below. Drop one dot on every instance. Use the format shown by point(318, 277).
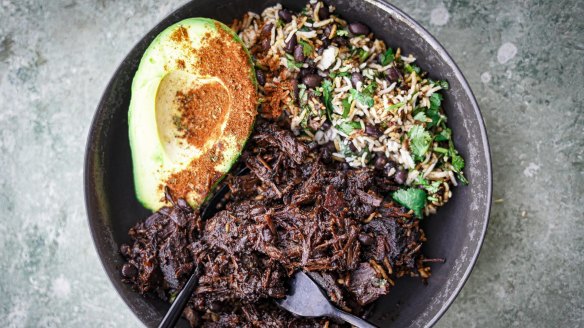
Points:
point(454, 233)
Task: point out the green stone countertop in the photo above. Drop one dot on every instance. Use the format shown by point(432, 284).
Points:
point(523, 60)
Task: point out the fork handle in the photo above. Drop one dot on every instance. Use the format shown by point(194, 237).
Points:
point(352, 319)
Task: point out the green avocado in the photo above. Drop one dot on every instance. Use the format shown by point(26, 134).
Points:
point(193, 105)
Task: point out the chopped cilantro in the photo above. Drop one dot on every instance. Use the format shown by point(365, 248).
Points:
point(412, 198)
point(395, 106)
point(444, 84)
point(432, 188)
point(362, 97)
point(346, 107)
point(421, 117)
point(420, 141)
point(363, 55)
point(307, 48)
point(280, 23)
point(387, 57)
point(412, 68)
point(461, 178)
point(436, 117)
point(457, 163)
point(327, 89)
point(370, 89)
point(348, 127)
point(342, 32)
point(291, 62)
point(435, 101)
point(441, 150)
point(444, 135)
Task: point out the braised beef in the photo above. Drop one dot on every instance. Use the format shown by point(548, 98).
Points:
point(288, 211)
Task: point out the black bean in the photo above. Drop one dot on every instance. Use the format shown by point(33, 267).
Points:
point(326, 125)
point(182, 203)
point(261, 77)
point(125, 250)
point(129, 270)
point(312, 145)
point(393, 74)
point(341, 40)
point(345, 166)
point(291, 44)
point(356, 77)
point(285, 15)
point(326, 155)
point(295, 88)
point(327, 30)
point(352, 147)
point(400, 176)
point(380, 161)
point(366, 239)
point(306, 71)
point(324, 13)
point(358, 28)
point(265, 44)
point(325, 41)
point(312, 80)
point(372, 130)
point(299, 53)
point(267, 31)
point(331, 146)
point(215, 306)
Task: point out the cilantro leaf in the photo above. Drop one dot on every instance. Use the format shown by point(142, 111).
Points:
point(370, 89)
point(348, 127)
point(435, 101)
point(456, 160)
point(307, 49)
point(387, 57)
point(420, 141)
point(421, 116)
point(291, 62)
point(412, 68)
point(363, 55)
point(396, 106)
point(457, 163)
point(412, 198)
point(432, 188)
point(346, 107)
point(342, 32)
point(364, 98)
point(443, 84)
point(327, 89)
point(333, 75)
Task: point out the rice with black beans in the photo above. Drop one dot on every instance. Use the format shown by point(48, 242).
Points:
point(377, 103)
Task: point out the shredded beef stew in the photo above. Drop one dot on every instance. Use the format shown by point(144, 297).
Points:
point(290, 209)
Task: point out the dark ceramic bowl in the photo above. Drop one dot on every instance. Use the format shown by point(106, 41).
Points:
point(456, 232)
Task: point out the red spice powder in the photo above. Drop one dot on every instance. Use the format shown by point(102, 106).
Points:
point(223, 57)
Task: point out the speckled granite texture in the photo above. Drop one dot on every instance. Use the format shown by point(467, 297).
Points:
point(523, 59)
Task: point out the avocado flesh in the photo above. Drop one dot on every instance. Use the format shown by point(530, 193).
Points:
point(189, 142)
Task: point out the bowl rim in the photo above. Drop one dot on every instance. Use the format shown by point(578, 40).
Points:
point(389, 9)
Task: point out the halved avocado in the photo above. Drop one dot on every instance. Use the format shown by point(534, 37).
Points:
point(194, 99)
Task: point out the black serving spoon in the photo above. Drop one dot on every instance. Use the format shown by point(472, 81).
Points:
point(306, 299)
point(181, 300)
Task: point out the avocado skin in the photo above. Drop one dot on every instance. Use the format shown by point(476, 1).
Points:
point(151, 163)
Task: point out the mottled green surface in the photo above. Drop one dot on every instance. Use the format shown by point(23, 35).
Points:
point(523, 59)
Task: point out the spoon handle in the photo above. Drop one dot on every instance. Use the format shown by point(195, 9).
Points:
point(177, 307)
point(352, 319)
